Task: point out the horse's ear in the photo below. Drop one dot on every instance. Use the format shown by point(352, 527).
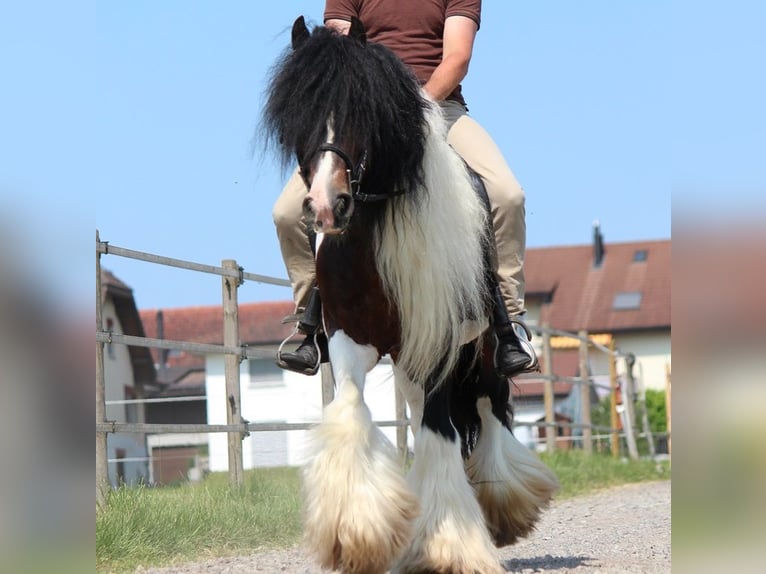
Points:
point(300, 32)
point(357, 31)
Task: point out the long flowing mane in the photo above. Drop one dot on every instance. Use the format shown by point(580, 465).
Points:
point(371, 97)
point(429, 240)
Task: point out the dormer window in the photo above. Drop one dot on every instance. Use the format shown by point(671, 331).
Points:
point(627, 301)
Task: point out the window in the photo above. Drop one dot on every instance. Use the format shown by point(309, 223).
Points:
point(265, 373)
point(627, 301)
point(640, 255)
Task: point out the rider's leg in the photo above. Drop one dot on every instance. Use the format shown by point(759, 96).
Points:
point(293, 240)
point(313, 350)
point(299, 261)
point(514, 353)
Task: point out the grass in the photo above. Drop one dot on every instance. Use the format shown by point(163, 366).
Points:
point(166, 525)
point(159, 526)
point(580, 474)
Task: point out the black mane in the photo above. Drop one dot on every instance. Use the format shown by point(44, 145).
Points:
point(375, 102)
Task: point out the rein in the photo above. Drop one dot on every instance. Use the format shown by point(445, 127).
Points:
point(355, 174)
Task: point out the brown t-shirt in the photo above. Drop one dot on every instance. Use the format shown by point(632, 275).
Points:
point(412, 29)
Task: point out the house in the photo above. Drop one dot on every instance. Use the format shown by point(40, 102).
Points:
point(618, 292)
point(129, 375)
point(267, 393)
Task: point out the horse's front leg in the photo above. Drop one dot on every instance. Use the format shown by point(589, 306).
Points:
point(450, 533)
point(358, 508)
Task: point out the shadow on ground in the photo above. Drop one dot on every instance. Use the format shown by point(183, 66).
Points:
point(547, 562)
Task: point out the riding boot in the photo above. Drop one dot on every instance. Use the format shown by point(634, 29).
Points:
point(514, 354)
point(313, 349)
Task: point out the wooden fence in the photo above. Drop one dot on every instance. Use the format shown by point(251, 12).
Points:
point(232, 276)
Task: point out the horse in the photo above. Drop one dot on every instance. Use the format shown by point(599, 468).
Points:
point(402, 264)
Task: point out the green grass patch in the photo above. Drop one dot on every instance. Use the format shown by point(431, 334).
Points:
point(159, 526)
point(580, 474)
point(190, 522)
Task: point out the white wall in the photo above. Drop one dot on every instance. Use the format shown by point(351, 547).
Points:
point(288, 397)
point(118, 373)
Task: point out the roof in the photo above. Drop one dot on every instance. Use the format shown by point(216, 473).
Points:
point(578, 295)
point(259, 323)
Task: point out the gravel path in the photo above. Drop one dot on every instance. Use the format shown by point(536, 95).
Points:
point(623, 529)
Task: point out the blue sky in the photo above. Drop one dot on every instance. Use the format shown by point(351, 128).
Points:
point(143, 114)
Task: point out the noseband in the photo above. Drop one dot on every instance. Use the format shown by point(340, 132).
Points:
point(354, 173)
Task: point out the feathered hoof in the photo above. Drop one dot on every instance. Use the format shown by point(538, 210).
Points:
point(358, 509)
point(450, 534)
point(447, 555)
point(511, 515)
point(513, 486)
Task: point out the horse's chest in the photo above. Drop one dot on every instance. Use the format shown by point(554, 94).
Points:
point(353, 299)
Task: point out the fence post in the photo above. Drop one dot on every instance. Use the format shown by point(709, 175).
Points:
point(645, 425)
point(587, 431)
point(668, 410)
point(613, 420)
point(231, 371)
point(102, 467)
point(627, 399)
point(551, 430)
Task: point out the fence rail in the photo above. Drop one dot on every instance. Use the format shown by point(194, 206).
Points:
point(245, 428)
point(105, 248)
point(237, 428)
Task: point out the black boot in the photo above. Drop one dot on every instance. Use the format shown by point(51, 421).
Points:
point(313, 350)
point(514, 354)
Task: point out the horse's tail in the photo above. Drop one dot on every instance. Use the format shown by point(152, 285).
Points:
point(431, 259)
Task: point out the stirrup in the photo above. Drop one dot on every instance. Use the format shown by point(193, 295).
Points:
point(283, 365)
point(523, 325)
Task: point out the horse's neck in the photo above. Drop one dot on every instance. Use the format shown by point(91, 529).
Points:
point(353, 298)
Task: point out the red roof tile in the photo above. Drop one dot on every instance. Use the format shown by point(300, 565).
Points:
point(259, 323)
point(580, 295)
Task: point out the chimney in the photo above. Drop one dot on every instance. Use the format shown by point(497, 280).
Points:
point(598, 245)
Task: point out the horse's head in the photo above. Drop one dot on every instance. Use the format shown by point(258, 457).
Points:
point(333, 171)
point(333, 180)
point(352, 115)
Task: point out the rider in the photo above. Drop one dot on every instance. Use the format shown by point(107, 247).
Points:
point(435, 39)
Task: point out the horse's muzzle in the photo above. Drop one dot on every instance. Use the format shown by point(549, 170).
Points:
point(328, 218)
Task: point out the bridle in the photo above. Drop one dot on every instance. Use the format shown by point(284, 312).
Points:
point(355, 173)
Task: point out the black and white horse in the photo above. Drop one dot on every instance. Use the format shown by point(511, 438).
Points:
point(402, 268)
